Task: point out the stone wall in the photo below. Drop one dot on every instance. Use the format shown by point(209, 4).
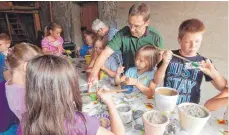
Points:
point(65, 13)
point(108, 12)
point(44, 14)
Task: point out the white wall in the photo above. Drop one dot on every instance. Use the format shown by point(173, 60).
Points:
point(167, 16)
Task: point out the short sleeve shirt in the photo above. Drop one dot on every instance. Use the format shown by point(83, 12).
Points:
point(124, 41)
point(84, 50)
point(112, 31)
point(112, 63)
point(144, 78)
point(16, 99)
point(186, 80)
point(51, 45)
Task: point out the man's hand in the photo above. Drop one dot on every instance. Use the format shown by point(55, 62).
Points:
point(92, 79)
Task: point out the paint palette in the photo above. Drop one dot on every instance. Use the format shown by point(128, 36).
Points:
point(104, 120)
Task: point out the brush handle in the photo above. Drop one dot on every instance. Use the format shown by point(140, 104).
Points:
point(110, 91)
point(181, 57)
point(174, 54)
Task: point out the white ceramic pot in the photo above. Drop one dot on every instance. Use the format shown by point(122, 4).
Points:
point(152, 128)
point(166, 98)
point(193, 125)
point(126, 116)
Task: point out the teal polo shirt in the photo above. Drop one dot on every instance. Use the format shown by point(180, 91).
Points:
point(128, 44)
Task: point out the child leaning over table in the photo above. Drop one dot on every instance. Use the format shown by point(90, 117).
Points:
point(140, 76)
point(108, 71)
point(87, 48)
point(181, 75)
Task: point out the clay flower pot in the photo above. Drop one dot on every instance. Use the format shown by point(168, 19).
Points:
point(166, 98)
point(193, 117)
point(155, 122)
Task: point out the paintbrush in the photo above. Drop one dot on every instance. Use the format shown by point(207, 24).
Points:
point(195, 64)
point(110, 91)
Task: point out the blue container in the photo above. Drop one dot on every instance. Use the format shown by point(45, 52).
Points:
point(128, 87)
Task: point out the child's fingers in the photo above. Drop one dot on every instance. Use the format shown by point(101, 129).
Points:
point(208, 61)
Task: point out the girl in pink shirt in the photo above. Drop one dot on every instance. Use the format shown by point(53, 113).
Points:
point(52, 43)
point(16, 59)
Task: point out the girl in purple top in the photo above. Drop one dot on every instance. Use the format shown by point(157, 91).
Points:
point(54, 105)
point(16, 59)
point(52, 43)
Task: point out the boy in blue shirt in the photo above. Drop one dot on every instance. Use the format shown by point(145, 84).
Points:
point(87, 48)
point(180, 74)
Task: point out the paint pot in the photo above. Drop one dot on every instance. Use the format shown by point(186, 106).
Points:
point(193, 117)
point(93, 97)
point(155, 122)
point(137, 116)
point(88, 59)
point(166, 98)
point(127, 87)
point(125, 112)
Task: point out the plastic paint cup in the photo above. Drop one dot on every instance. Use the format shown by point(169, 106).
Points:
point(127, 87)
point(88, 59)
point(93, 97)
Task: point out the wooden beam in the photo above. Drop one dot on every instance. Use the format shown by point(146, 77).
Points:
point(18, 8)
point(8, 26)
point(22, 12)
point(50, 11)
point(36, 18)
point(37, 23)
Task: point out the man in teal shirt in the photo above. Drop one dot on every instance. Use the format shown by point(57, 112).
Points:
point(129, 39)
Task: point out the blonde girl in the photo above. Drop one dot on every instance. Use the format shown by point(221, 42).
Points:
point(16, 60)
point(111, 64)
point(52, 43)
point(140, 76)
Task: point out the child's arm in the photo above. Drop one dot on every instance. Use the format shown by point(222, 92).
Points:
point(7, 75)
point(60, 49)
point(111, 67)
point(119, 79)
point(218, 81)
point(218, 101)
point(145, 90)
point(117, 127)
point(108, 71)
point(94, 57)
point(152, 86)
point(160, 73)
point(46, 51)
